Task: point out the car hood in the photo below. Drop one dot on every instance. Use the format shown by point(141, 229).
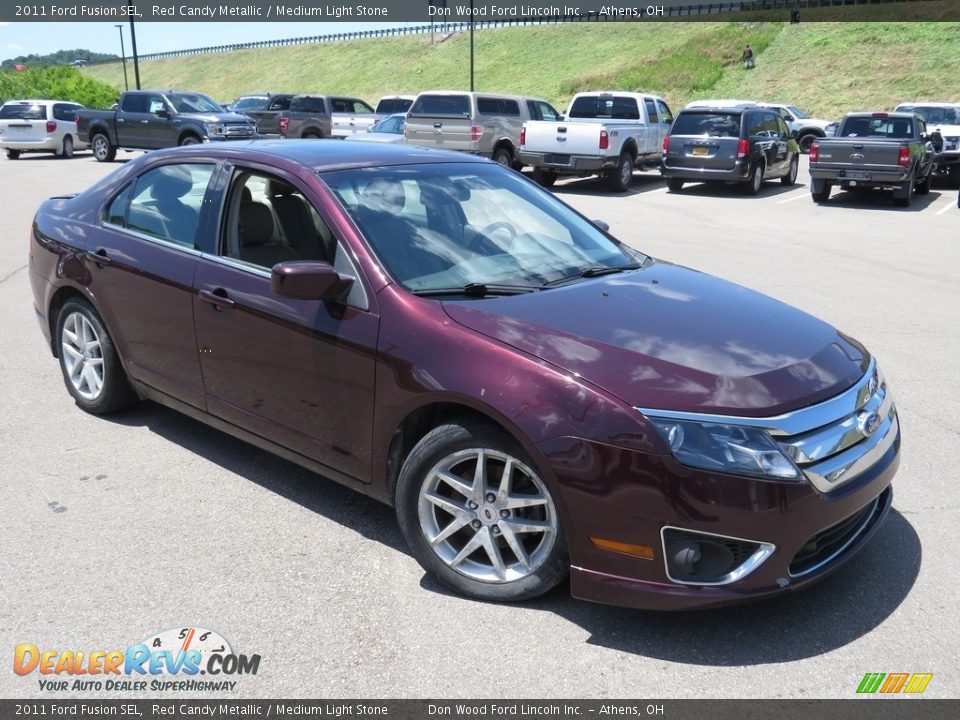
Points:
point(218, 117)
point(945, 130)
point(672, 338)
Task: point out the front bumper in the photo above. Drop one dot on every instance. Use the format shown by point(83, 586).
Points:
point(614, 494)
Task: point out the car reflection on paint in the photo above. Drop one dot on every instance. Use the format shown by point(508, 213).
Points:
point(534, 397)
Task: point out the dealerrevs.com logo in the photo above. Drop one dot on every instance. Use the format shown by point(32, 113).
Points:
point(170, 660)
point(894, 683)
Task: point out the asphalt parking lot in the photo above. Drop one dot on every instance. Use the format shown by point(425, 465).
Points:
point(115, 529)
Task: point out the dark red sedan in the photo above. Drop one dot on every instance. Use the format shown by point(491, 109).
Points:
point(434, 330)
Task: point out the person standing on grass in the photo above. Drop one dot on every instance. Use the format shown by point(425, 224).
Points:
point(748, 61)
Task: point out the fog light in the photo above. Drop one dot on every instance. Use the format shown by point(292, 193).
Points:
point(694, 558)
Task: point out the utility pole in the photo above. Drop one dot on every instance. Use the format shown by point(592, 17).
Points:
point(133, 43)
point(471, 45)
point(123, 58)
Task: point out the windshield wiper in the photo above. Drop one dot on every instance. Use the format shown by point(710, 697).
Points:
point(477, 290)
point(592, 272)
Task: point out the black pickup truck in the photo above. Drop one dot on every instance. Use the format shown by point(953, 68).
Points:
point(876, 150)
point(151, 119)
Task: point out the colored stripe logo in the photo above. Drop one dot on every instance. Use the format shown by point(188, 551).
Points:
point(893, 683)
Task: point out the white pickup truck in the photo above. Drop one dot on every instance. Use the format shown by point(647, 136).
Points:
point(605, 133)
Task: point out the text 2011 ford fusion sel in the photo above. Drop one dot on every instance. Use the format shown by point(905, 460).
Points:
point(535, 398)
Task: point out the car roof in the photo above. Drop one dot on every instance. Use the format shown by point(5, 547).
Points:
point(38, 102)
point(322, 156)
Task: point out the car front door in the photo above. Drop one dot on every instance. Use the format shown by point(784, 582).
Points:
point(299, 373)
point(142, 265)
point(160, 128)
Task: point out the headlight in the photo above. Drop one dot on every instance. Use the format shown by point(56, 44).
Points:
point(734, 449)
point(213, 128)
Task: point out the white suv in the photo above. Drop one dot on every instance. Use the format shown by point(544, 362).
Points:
point(808, 129)
point(944, 118)
point(39, 126)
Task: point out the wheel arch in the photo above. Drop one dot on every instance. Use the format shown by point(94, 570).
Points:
point(189, 132)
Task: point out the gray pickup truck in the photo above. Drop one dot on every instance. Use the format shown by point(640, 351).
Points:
point(875, 150)
point(151, 119)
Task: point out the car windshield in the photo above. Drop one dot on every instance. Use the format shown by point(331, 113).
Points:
point(713, 124)
point(23, 111)
point(935, 115)
point(392, 125)
point(797, 112)
point(194, 102)
point(451, 225)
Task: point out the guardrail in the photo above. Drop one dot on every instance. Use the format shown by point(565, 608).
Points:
point(692, 10)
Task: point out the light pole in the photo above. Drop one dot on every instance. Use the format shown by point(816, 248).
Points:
point(471, 45)
point(123, 58)
point(133, 45)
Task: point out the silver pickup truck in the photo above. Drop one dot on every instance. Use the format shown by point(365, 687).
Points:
point(875, 150)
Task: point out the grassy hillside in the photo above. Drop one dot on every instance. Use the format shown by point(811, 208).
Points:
point(827, 68)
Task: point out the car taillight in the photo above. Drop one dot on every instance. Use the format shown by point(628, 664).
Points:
point(51, 126)
point(476, 132)
point(666, 144)
point(604, 140)
point(76, 119)
point(904, 158)
point(523, 136)
point(814, 152)
point(743, 148)
point(284, 124)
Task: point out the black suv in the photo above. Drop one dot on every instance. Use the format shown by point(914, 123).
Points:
point(729, 144)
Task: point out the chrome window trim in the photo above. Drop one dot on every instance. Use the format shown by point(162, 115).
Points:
point(230, 262)
point(760, 556)
point(192, 250)
point(796, 422)
point(869, 518)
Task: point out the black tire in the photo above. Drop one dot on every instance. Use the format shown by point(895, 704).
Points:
point(13, 154)
point(456, 446)
point(620, 178)
point(66, 150)
point(310, 135)
point(103, 151)
point(674, 185)
point(822, 195)
point(755, 181)
point(503, 156)
point(806, 140)
point(791, 177)
point(115, 393)
point(923, 187)
point(545, 178)
point(907, 197)
point(189, 139)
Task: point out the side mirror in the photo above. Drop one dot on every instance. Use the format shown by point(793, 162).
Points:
point(794, 134)
point(163, 113)
point(937, 139)
point(308, 280)
point(602, 225)
point(789, 118)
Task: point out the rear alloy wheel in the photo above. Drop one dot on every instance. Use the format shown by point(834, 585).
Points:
point(545, 178)
point(13, 154)
point(791, 177)
point(755, 182)
point(502, 156)
point(674, 185)
point(66, 150)
point(103, 151)
point(620, 178)
point(478, 516)
point(90, 365)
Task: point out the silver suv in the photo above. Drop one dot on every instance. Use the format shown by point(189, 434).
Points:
point(478, 123)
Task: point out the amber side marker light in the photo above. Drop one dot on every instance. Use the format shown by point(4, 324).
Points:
point(641, 551)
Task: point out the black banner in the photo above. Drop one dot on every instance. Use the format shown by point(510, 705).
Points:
point(861, 709)
point(463, 11)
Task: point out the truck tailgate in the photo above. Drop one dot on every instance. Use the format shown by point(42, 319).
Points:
point(443, 131)
point(859, 156)
point(562, 139)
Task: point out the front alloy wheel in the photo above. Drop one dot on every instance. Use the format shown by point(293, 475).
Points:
point(478, 516)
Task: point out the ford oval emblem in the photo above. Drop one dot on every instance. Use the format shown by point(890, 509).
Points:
point(868, 422)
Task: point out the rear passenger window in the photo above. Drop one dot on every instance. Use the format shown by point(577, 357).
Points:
point(651, 111)
point(65, 112)
point(755, 124)
point(134, 103)
point(164, 202)
point(488, 106)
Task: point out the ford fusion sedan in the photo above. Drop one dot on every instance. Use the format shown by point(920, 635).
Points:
point(534, 397)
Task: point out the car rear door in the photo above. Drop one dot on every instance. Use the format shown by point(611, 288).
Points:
point(299, 373)
point(765, 136)
point(142, 262)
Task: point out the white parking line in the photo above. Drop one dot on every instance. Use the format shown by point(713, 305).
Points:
point(941, 211)
point(792, 198)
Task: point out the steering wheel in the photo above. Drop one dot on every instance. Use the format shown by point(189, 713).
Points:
point(481, 235)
